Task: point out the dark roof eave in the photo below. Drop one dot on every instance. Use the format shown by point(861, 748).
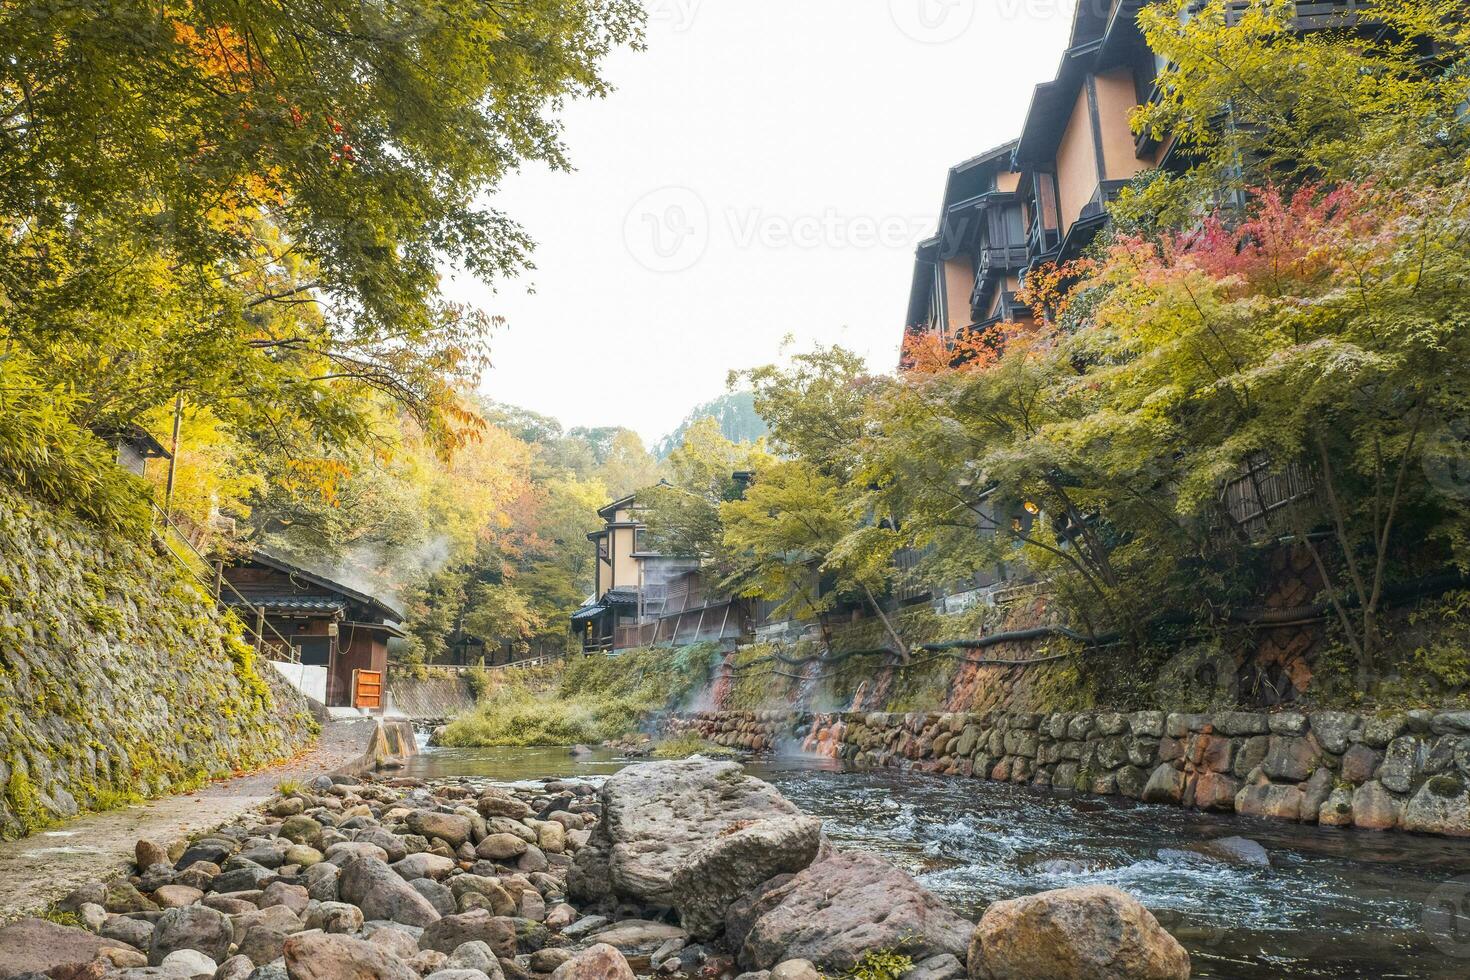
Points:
point(281, 565)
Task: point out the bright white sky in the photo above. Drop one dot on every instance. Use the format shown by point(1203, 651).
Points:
point(764, 169)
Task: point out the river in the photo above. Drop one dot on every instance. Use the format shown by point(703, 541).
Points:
point(1334, 903)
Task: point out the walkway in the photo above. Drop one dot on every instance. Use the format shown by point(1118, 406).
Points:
point(36, 871)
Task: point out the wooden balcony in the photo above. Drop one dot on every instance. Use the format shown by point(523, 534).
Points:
point(1311, 15)
point(993, 265)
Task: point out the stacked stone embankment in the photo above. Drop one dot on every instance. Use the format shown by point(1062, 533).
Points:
point(119, 680)
point(1407, 770)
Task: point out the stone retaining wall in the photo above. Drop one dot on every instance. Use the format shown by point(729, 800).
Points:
point(1406, 770)
point(119, 680)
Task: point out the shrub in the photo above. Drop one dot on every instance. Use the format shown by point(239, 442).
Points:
point(683, 746)
point(592, 699)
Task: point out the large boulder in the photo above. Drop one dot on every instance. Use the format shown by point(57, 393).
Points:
point(326, 956)
point(728, 867)
point(381, 893)
point(845, 905)
point(1091, 933)
point(31, 946)
point(657, 814)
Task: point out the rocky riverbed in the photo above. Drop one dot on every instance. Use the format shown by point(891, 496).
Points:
point(677, 869)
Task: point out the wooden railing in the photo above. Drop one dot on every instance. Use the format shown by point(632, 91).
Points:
point(266, 638)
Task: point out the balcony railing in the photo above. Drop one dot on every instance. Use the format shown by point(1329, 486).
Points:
point(994, 264)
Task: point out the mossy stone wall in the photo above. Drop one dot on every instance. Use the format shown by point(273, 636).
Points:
point(119, 680)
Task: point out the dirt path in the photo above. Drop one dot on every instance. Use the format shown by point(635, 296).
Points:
point(37, 870)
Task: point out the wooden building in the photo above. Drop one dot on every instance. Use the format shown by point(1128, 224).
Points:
point(642, 597)
point(1043, 197)
point(327, 624)
point(966, 275)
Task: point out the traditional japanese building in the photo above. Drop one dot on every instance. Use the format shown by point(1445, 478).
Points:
point(642, 597)
point(326, 624)
point(1043, 197)
point(966, 275)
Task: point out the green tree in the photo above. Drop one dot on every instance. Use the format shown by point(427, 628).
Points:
point(683, 512)
point(248, 205)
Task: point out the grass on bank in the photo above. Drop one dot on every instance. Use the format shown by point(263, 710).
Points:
point(683, 746)
point(588, 700)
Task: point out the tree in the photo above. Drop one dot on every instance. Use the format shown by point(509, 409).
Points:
point(733, 412)
point(248, 205)
point(804, 535)
point(626, 466)
point(682, 513)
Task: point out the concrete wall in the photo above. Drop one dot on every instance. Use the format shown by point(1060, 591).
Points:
point(310, 681)
point(435, 698)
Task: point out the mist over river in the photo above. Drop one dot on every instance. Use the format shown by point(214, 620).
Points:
point(1334, 903)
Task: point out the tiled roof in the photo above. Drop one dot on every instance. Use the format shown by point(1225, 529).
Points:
point(290, 603)
point(620, 595)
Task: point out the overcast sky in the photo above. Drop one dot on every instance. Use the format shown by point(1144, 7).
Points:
point(764, 169)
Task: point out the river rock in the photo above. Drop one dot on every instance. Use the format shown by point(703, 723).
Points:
point(146, 854)
point(424, 865)
point(1375, 808)
point(495, 897)
point(1442, 806)
point(797, 969)
point(655, 815)
point(845, 905)
point(1095, 932)
point(176, 896)
point(1401, 764)
point(437, 893)
point(712, 877)
point(479, 956)
point(1233, 850)
point(36, 946)
point(638, 935)
point(262, 944)
point(501, 847)
point(452, 828)
point(1290, 758)
point(1165, 785)
point(137, 933)
point(293, 897)
point(452, 931)
point(945, 966)
point(334, 917)
point(188, 963)
point(1338, 810)
point(380, 893)
point(1266, 799)
point(196, 927)
point(600, 962)
point(122, 897)
point(498, 803)
point(324, 956)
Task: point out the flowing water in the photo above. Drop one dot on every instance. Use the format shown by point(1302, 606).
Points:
point(1333, 903)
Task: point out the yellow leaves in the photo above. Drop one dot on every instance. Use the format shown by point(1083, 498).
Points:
point(220, 53)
